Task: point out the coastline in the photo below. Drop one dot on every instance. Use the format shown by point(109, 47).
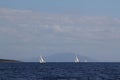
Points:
point(8, 60)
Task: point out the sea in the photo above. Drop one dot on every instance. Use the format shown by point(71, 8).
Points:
point(60, 71)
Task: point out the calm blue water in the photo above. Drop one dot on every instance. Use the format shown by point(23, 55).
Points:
point(60, 71)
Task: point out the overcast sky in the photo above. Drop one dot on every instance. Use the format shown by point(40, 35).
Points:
point(29, 28)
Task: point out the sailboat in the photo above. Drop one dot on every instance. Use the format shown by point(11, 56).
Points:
point(76, 59)
point(42, 60)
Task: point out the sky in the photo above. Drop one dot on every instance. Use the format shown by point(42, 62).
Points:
point(29, 28)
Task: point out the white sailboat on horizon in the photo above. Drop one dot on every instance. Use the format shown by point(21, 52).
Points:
point(76, 59)
point(42, 60)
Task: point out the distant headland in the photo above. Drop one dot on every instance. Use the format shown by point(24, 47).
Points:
point(8, 60)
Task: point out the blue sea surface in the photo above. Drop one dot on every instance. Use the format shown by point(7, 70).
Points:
point(60, 71)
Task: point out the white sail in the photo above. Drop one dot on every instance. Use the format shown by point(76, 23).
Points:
point(42, 60)
point(76, 59)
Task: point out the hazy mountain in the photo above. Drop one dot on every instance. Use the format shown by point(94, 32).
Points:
point(62, 57)
point(67, 57)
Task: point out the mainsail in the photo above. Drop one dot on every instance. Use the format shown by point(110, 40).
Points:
point(42, 60)
point(76, 59)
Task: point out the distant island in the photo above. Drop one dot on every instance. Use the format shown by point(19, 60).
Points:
point(7, 60)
